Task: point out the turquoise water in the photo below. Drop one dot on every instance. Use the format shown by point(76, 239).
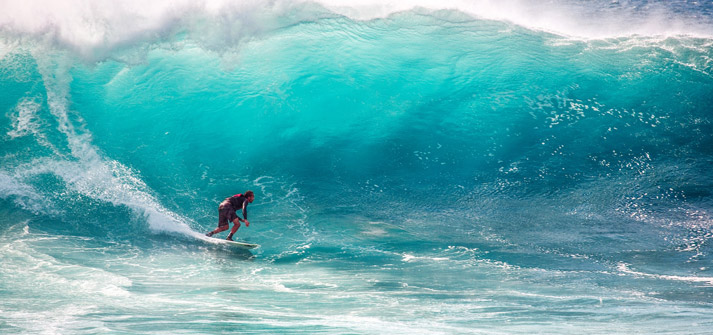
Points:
point(471, 169)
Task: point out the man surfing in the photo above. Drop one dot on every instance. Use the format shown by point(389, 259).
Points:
point(227, 213)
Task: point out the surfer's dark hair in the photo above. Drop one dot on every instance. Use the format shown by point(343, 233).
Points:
point(249, 194)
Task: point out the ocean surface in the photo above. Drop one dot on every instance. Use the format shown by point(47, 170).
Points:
point(422, 167)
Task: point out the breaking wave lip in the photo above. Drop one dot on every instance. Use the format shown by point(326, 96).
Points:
point(97, 29)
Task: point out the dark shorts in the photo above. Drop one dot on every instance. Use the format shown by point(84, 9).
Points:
point(226, 214)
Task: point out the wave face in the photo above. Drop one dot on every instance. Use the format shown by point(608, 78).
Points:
point(468, 168)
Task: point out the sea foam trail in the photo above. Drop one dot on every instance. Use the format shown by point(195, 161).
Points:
point(84, 170)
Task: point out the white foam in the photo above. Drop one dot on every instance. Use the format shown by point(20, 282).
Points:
point(24, 194)
point(693, 279)
point(410, 258)
point(4, 49)
point(95, 27)
point(568, 18)
point(110, 181)
point(25, 121)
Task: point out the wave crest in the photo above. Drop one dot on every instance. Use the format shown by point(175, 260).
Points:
point(96, 29)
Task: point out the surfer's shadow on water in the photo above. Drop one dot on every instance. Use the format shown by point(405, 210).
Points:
point(221, 252)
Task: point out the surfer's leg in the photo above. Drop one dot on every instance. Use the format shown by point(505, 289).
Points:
point(218, 230)
point(223, 223)
point(236, 225)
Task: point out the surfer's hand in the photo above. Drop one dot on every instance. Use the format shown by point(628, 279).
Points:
point(247, 223)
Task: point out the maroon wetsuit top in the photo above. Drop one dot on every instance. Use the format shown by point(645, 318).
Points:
point(239, 201)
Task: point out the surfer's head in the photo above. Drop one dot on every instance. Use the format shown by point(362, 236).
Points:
point(250, 196)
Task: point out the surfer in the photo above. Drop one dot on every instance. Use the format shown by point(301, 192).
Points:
point(227, 213)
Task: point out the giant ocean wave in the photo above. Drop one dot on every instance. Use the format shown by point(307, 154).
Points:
point(548, 145)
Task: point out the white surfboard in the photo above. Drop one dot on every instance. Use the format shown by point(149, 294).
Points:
point(241, 244)
point(214, 240)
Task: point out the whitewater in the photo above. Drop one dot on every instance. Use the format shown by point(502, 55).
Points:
point(419, 167)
